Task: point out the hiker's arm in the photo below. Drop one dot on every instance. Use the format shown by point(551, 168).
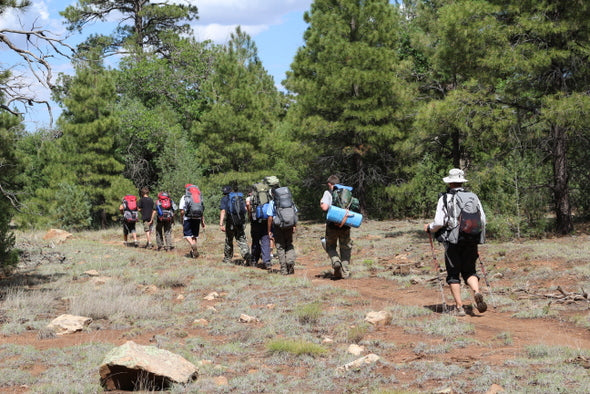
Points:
point(269, 227)
point(222, 220)
point(203, 221)
point(439, 218)
point(324, 203)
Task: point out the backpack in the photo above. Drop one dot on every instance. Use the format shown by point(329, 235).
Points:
point(286, 211)
point(165, 208)
point(260, 197)
point(193, 204)
point(465, 222)
point(342, 198)
point(130, 208)
point(237, 208)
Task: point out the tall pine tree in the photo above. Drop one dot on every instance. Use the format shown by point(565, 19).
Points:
point(350, 102)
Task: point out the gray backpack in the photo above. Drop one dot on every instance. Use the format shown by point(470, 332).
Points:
point(286, 211)
point(465, 221)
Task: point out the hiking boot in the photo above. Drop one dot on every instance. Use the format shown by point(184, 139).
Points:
point(337, 270)
point(136, 244)
point(290, 269)
point(480, 303)
point(191, 254)
point(460, 311)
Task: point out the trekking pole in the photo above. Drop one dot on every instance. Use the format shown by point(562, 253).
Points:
point(437, 268)
point(485, 276)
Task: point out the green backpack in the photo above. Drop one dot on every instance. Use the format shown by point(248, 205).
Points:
point(342, 198)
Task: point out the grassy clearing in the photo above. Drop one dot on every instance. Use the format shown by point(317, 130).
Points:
point(155, 298)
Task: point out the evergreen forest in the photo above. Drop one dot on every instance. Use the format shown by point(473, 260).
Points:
point(389, 95)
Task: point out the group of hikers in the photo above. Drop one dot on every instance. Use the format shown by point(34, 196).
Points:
point(459, 224)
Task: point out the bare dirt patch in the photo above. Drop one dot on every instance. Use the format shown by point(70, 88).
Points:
point(392, 270)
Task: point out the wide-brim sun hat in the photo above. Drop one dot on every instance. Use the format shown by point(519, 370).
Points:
point(455, 176)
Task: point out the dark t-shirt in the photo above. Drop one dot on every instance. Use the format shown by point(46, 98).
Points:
point(224, 204)
point(146, 206)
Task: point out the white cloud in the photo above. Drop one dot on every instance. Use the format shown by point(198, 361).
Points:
point(220, 34)
point(252, 12)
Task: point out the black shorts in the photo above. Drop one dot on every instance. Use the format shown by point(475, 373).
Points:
point(460, 261)
point(191, 227)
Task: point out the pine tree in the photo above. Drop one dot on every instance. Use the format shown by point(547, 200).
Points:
point(9, 168)
point(87, 150)
point(243, 110)
point(350, 102)
point(150, 21)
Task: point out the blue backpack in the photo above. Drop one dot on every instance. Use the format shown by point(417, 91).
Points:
point(237, 208)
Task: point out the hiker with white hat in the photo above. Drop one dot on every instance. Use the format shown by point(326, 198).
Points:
point(459, 223)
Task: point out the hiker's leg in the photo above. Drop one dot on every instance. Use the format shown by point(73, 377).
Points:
point(345, 251)
point(452, 261)
point(125, 232)
point(257, 231)
point(168, 234)
point(290, 251)
point(332, 243)
point(279, 235)
point(242, 242)
point(456, 292)
point(228, 246)
point(195, 229)
point(265, 249)
point(159, 234)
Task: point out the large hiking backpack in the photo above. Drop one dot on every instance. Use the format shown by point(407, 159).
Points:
point(465, 220)
point(193, 203)
point(130, 208)
point(164, 207)
point(342, 198)
point(286, 211)
point(237, 208)
point(260, 197)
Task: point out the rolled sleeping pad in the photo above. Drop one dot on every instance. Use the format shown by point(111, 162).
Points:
point(344, 217)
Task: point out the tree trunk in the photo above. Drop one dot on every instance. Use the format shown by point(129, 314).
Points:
point(563, 210)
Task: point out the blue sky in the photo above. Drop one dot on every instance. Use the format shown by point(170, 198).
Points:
point(276, 26)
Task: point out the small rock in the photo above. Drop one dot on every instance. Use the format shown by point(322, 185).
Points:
point(359, 362)
point(381, 318)
point(211, 296)
point(91, 273)
point(495, 389)
point(201, 322)
point(59, 236)
point(356, 349)
point(247, 319)
point(67, 324)
point(221, 381)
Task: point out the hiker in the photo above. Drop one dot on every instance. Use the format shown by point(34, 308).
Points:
point(337, 236)
point(459, 224)
point(232, 221)
point(164, 213)
point(257, 204)
point(191, 213)
point(128, 209)
point(281, 226)
point(146, 207)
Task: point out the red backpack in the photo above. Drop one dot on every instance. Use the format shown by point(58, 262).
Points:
point(164, 208)
point(130, 208)
point(193, 203)
point(165, 201)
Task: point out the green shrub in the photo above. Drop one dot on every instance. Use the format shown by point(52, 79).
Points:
point(297, 347)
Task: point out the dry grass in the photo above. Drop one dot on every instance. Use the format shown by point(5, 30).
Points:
point(155, 297)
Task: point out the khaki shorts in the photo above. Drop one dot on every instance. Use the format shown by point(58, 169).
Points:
point(147, 227)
